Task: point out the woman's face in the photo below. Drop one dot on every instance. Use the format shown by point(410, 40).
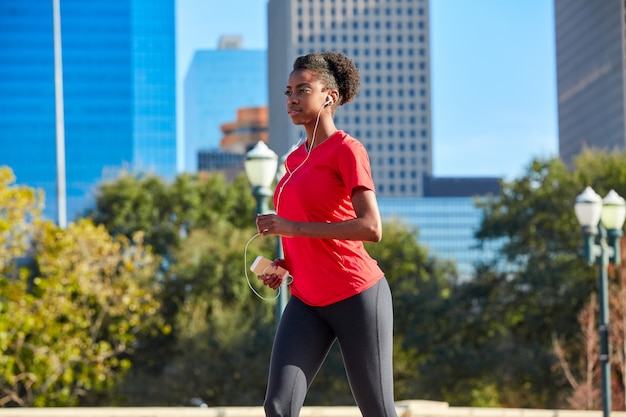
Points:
point(306, 96)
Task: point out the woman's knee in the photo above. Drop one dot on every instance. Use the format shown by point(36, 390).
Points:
point(275, 408)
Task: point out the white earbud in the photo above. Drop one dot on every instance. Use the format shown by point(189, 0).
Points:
point(328, 101)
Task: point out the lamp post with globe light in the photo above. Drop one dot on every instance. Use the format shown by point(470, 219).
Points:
point(262, 168)
point(260, 165)
point(283, 295)
point(601, 222)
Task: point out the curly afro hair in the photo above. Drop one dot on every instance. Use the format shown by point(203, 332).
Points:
point(335, 70)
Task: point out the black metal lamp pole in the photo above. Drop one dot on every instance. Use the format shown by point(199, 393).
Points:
point(601, 224)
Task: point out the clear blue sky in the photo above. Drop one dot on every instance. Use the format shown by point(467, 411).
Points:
point(493, 76)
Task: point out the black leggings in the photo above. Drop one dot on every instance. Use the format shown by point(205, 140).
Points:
point(363, 326)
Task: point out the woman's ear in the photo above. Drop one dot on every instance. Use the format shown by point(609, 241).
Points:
point(332, 98)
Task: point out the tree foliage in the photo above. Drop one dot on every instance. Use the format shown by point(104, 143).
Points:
point(148, 303)
point(547, 283)
point(70, 317)
point(166, 213)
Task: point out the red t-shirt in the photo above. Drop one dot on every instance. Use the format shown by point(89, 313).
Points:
point(319, 190)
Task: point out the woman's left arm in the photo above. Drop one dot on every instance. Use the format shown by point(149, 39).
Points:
point(366, 226)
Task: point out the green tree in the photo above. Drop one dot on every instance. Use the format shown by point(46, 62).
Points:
point(201, 224)
point(546, 284)
point(70, 318)
point(20, 214)
point(223, 331)
point(166, 213)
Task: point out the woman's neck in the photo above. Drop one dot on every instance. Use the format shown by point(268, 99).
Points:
point(323, 132)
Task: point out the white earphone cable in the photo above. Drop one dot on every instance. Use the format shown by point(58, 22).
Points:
point(245, 269)
point(280, 191)
point(308, 153)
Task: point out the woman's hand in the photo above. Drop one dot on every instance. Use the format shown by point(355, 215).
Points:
point(271, 224)
point(271, 280)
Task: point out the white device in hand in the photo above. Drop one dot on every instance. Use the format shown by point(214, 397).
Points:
point(263, 266)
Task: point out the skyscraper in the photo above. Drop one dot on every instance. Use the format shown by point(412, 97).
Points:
point(590, 56)
point(119, 93)
point(217, 84)
point(389, 42)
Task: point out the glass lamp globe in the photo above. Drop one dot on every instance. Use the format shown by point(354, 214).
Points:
point(613, 211)
point(588, 208)
point(260, 165)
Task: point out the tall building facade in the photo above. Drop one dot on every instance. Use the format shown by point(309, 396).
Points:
point(217, 84)
point(447, 218)
point(391, 115)
point(445, 226)
point(118, 62)
point(590, 58)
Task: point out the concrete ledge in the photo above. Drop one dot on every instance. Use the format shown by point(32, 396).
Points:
point(404, 409)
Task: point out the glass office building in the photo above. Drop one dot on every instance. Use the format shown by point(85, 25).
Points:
point(591, 75)
point(445, 226)
point(218, 83)
point(119, 94)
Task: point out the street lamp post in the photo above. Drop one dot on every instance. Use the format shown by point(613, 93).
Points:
point(602, 219)
point(282, 296)
point(262, 167)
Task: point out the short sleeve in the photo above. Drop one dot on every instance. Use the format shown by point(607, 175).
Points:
point(354, 166)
